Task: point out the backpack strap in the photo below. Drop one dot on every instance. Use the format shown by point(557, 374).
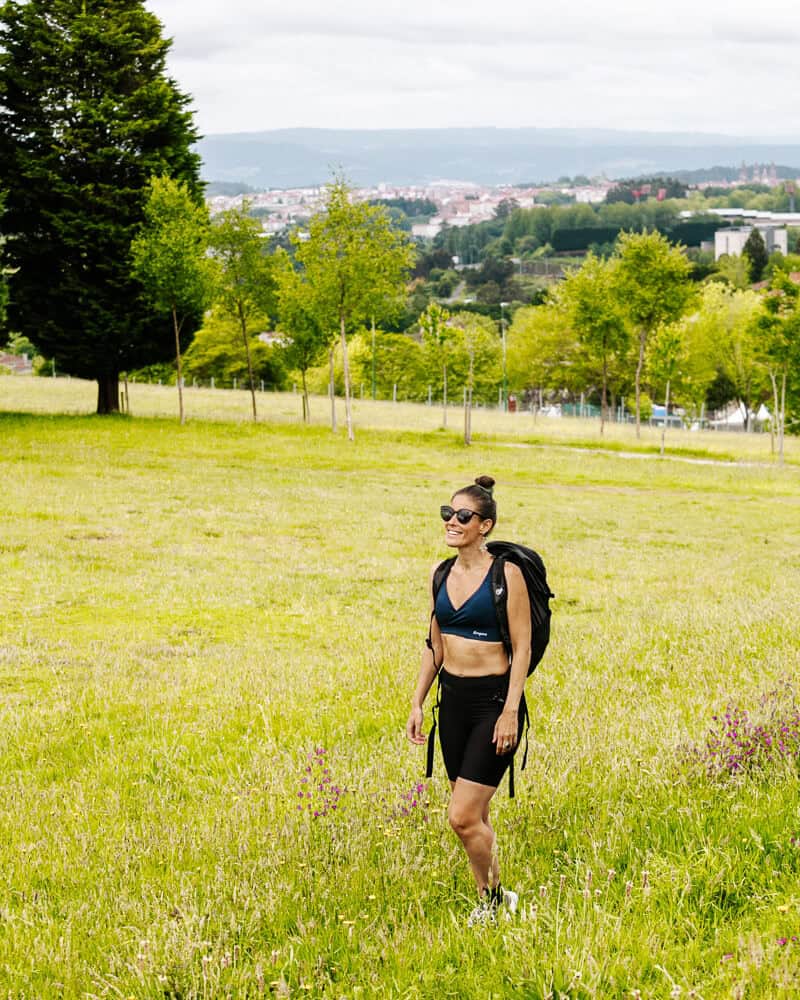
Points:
point(500, 598)
point(524, 709)
point(439, 576)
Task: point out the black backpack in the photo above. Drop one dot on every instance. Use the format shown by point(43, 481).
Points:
point(539, 595)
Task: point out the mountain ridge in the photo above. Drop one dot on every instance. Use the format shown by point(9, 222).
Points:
point(303, 157)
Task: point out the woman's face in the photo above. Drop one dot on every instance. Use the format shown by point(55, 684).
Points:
point(458, 535)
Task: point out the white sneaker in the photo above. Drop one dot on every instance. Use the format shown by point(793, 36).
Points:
point(510, 902)
point(484, 913)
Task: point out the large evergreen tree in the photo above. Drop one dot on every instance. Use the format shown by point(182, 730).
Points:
point(87, 117)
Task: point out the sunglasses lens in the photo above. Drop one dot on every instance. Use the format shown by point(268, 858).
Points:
point(446, 512)
point(464, 516)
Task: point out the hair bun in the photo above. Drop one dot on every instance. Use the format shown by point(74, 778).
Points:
point(486, 482)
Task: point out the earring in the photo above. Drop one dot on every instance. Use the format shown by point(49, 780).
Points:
point(482, 547)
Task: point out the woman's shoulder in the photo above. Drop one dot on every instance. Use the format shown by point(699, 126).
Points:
point(438, 564)
point(513, 573)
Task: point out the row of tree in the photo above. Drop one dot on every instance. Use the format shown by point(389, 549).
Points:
point(635, 320)
point(348, 268)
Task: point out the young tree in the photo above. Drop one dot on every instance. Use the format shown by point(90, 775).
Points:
point(483, 349)
point(543, 351)
point(653, 289)
point(245, 284)
point(437, 338)
point(87, 117)
point(665, 355)
point(735, 270)
point(308, 340)
point(779, 326)
point(755, 250)
point(588, 298)
point(355, 263)
point(169, 258)
point(727, 320)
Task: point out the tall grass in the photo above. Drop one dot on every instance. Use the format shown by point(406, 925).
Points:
point(189, 613)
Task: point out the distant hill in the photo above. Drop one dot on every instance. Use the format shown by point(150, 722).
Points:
point(306, 157)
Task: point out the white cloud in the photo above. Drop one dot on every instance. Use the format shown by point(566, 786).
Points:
point(683, 66)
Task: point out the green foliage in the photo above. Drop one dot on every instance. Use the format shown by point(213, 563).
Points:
point(651, 281)
point(355, 265)
point(245, 282)
point(755, 250)
point(354, 262)
point(596, 314)
point(398, 361)
point(87, 116)
point(5, 273)
point(643, 188)
point(734, 270)
point(476, 360)
point(245, 286)
point(168, 256)
point(307, 337)
point(666, 355)
point(218, 352)
point(779, 329)
point(412, 208)
point(726, 325)
point(543, 350)
point(18, 344)
point(651, 278)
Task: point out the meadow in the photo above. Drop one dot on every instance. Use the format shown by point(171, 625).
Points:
point(210, 636)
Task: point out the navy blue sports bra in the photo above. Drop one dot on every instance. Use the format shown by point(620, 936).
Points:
point(475, 619)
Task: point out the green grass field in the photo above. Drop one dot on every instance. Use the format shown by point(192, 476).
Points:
point(193, 616)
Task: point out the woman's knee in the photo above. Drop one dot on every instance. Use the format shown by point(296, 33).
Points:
point(463, 819)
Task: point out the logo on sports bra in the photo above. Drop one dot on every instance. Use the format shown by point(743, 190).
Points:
point(499, 591)
point(480, 635)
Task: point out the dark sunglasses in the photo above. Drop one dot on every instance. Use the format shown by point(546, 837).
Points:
point(463, 516)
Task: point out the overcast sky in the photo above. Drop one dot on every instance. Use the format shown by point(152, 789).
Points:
point(677, 65)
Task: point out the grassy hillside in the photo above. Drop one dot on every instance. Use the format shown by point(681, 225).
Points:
point(202, 624)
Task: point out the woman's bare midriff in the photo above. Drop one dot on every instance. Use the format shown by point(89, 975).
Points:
point(473, 658)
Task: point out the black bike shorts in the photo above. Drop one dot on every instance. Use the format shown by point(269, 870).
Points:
point(468, 711)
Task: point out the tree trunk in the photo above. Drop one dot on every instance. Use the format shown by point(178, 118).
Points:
point(782, 423)
point(108, 393)
point(177, 328)
point(444, 395)
point(666, 418)
point(332, 389)
point(604, 398)
point(306, 409)
point(468, 402)
point(348, 417)
point(373, 357)
point(243, 323)
point(639, 368)
point(774, 424)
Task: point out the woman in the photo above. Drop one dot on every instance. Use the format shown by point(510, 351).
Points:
point(480, 722)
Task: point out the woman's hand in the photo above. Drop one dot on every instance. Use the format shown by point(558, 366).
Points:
point(414, 726)
point(505, 732)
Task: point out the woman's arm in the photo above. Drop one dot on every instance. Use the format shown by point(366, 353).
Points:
point(519, 627)
point(427, 674)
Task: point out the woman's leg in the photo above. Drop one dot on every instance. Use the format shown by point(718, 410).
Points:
point(469, 818)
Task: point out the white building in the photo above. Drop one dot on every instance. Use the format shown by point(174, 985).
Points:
point(732, 241)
